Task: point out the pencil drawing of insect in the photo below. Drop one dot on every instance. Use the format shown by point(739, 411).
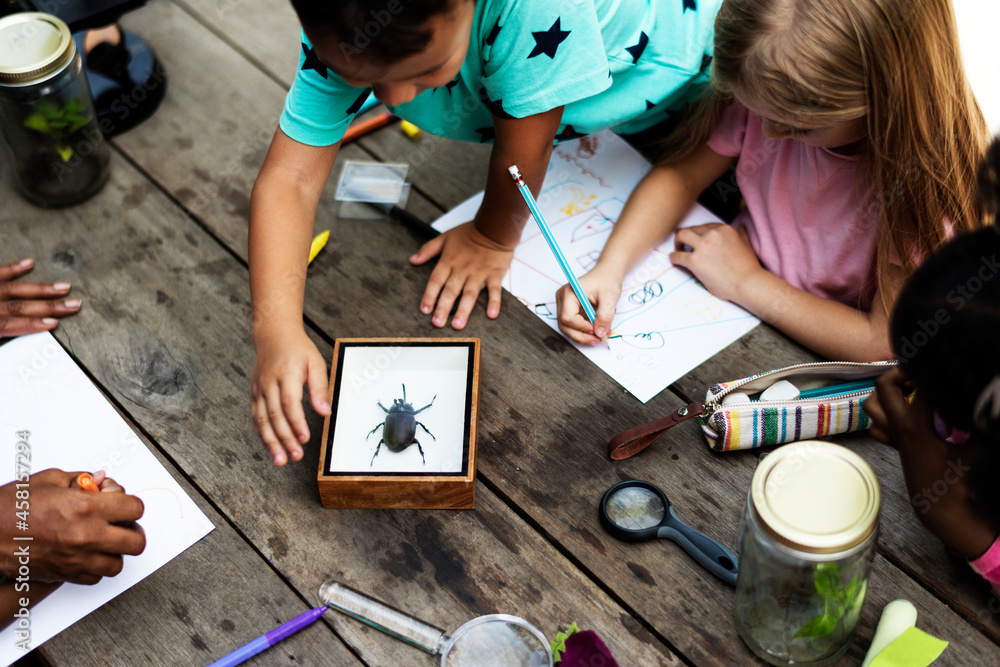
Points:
point(399, 430)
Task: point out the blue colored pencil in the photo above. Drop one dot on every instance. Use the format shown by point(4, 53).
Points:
point(547, 233)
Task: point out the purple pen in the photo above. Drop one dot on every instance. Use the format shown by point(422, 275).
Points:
point(270, 638)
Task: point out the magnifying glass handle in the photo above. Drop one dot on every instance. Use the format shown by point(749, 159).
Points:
point(714, 556)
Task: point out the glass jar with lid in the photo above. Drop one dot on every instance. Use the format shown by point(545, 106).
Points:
point(53, 143)
point(806, 550)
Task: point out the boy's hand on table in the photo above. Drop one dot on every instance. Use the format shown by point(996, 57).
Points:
point(604, 288)
point(720, 257)
point(31, 307)
point(77, 536)
point(469, 261)
point(285, 362)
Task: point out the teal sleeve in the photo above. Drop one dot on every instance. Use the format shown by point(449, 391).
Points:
point(319, 106)
point(543, 55)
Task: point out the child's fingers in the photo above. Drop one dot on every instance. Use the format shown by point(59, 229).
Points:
point(17, 269)
point(494, 288)
point(891, 399)
point(292, 429)
point(605, 314)
point(450, 291)
point(262, 424)
point(470, 292)
point(318, 387)
point(436, 283)
point(428, 251)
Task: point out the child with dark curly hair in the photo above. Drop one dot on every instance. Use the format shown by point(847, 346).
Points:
point(944, 331)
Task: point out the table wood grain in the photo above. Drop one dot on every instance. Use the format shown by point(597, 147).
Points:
point(159, 259)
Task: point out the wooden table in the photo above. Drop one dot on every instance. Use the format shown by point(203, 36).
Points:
point(159, 258)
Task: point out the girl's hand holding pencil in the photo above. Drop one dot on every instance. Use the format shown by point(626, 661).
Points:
point(604, 287)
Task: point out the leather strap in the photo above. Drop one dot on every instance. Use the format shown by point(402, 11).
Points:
point(630, 442)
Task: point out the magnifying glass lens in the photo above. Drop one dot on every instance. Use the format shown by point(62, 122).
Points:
point(497, 643)
point(635, 508)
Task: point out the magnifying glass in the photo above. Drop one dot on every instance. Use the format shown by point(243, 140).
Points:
point(495, 640)
point(637, 511)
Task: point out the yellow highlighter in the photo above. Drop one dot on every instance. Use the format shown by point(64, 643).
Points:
point(317, 244)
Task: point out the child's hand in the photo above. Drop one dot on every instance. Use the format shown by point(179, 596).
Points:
point(286, 361)
point(31, 307)
point(934, 470)
point(720, 257)
point(469, 261)
point(603, 287)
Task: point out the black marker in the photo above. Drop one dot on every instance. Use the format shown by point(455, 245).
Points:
point(407, 218)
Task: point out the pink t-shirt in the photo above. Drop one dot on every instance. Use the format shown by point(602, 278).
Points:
point(808, 219)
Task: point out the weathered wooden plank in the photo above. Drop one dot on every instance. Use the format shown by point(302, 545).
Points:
point(267, 33)
point(212, 598)
point(165, 329)
point(446, 178)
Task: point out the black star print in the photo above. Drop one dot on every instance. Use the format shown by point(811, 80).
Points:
point(448, 86)
point(549, 40)
point(313, 62)
point(649, 105)
point(354, 108)
point(636, 51)
point(492, 37)
point(569, 133)
point(689, 4)
point(495, 107)
point(486, 134)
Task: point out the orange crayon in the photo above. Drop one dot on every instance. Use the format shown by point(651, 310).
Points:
point(86, 482)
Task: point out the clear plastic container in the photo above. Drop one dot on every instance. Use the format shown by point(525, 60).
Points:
point(53, 143)
point(806, 550)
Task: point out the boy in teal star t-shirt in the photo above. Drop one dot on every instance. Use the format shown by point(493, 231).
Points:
point(520, 74)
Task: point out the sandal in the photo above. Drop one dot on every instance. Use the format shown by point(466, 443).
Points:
point(127, 82)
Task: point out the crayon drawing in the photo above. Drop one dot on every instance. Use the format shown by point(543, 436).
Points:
point(662, 310)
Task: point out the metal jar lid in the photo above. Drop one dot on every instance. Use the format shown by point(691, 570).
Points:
point(816, 497)
point(34, 46)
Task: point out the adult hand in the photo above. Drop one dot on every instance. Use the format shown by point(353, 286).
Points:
point(603, 287)
point(77, 536)
point(720, 257)
point(286, 360)
point(469, 262)
point(31, 307)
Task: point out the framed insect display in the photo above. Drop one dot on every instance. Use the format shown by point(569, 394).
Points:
point(402, 428)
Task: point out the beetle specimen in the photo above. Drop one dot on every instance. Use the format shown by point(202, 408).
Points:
point(399, 429)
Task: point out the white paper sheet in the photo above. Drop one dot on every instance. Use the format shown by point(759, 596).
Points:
point(669, 323)
point(71, 426)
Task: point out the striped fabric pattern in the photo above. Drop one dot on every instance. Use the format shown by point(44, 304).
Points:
point(746, 426)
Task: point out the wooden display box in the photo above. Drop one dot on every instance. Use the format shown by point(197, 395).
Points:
point(402, 431)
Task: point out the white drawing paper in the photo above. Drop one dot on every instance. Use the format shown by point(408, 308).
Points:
point(668, 322)
point(71, 426)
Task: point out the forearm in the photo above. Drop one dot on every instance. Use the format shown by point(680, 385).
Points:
point(651, 214)
point(282, 214)
point(832, 329)
point(527, 143)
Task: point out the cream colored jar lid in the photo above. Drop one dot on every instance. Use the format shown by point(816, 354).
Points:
point(33, 47)
point(816, 496)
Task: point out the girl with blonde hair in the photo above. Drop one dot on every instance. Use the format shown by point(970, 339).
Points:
point(856, 139)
